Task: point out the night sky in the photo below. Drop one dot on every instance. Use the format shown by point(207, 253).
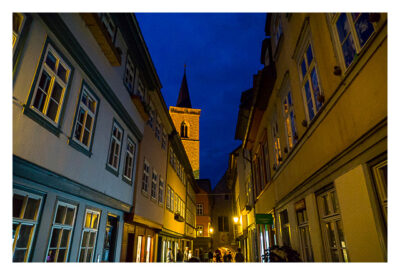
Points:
point(222, 53)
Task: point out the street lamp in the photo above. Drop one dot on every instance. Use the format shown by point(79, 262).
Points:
point(211, 230)
point(235, 219)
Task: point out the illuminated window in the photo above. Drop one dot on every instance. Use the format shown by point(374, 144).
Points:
point(129, 77)
point(115, 146)
point(332, 228)
point(276, 143)
point(200, 231)
point(148, 247)
point(18, 23)
point(61, 233)
point(109, 26)
point(89, 234)
point(161, 191)
point(129, 159)
point(49, 92)
point(304, 232)
point(154, 185)
point(85, 118)
point(289, 118)
point(199, 209)
point(26, 209)
point(285, 227)
point(352, 31)
point(145, 178)
point(139, 248)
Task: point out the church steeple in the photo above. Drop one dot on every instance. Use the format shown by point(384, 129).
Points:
point(184, 98)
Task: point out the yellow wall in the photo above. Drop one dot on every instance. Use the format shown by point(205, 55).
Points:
point(357, 216)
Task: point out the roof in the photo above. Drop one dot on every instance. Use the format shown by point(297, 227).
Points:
point(184, 98)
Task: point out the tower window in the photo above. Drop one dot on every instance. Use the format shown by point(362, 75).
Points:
point(184, 130)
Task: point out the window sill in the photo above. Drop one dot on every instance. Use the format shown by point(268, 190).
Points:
point(111, 170)
point(79, 147)
point(145, 193)
point(125, 179)
point(42, 121)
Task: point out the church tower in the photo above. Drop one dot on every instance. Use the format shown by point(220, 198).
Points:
point(187, 122)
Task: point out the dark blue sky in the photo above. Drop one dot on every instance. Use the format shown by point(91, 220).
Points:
point(222, 53)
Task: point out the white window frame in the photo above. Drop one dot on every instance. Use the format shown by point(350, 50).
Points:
point(89, 230)
point(118, 142)
point(145, 177)
point(53, 78)
point(333, 18)
point(62, 227)
point(154, 177)
point(199, 209)
point(87, 112)
point(289, 117)
point(21, 221)
point(168, 199)
point(276, 141)
point(129, 75)
point(109, 26)
point(305, 240)
point(161, 185)
point(300, 56)
point(330, 215)
point(129, 162)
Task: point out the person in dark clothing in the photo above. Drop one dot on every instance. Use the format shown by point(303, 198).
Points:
point(210, 256)
point(225, 257)
point(239, 258)
point(218, 258)
point(179, 256)
point(229, 256)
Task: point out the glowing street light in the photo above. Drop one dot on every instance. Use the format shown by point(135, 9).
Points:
point(211, 230)
point(235, 219)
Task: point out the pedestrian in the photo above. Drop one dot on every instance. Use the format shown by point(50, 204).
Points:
point(210, 256)
point(170, 257)
point(201, 255)
point(229, 256)
point(239, 258)
point(224, 256)
point(218, 256)
point(179, 256)
point(186, 254)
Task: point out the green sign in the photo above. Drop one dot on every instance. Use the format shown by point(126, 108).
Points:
point(264, 219)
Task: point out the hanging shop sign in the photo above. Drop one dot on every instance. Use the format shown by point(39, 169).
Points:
point(264, 219)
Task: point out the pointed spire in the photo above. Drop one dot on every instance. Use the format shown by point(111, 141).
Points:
point(184, 98)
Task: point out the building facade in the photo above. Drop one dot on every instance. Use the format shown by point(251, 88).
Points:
point(75, 135)
point(316, 134)
point(179, 226)
point(203, 241)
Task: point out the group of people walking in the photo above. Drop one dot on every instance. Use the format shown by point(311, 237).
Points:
point(216, 257)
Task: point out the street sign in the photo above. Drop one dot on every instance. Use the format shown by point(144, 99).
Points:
point(264, 219)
